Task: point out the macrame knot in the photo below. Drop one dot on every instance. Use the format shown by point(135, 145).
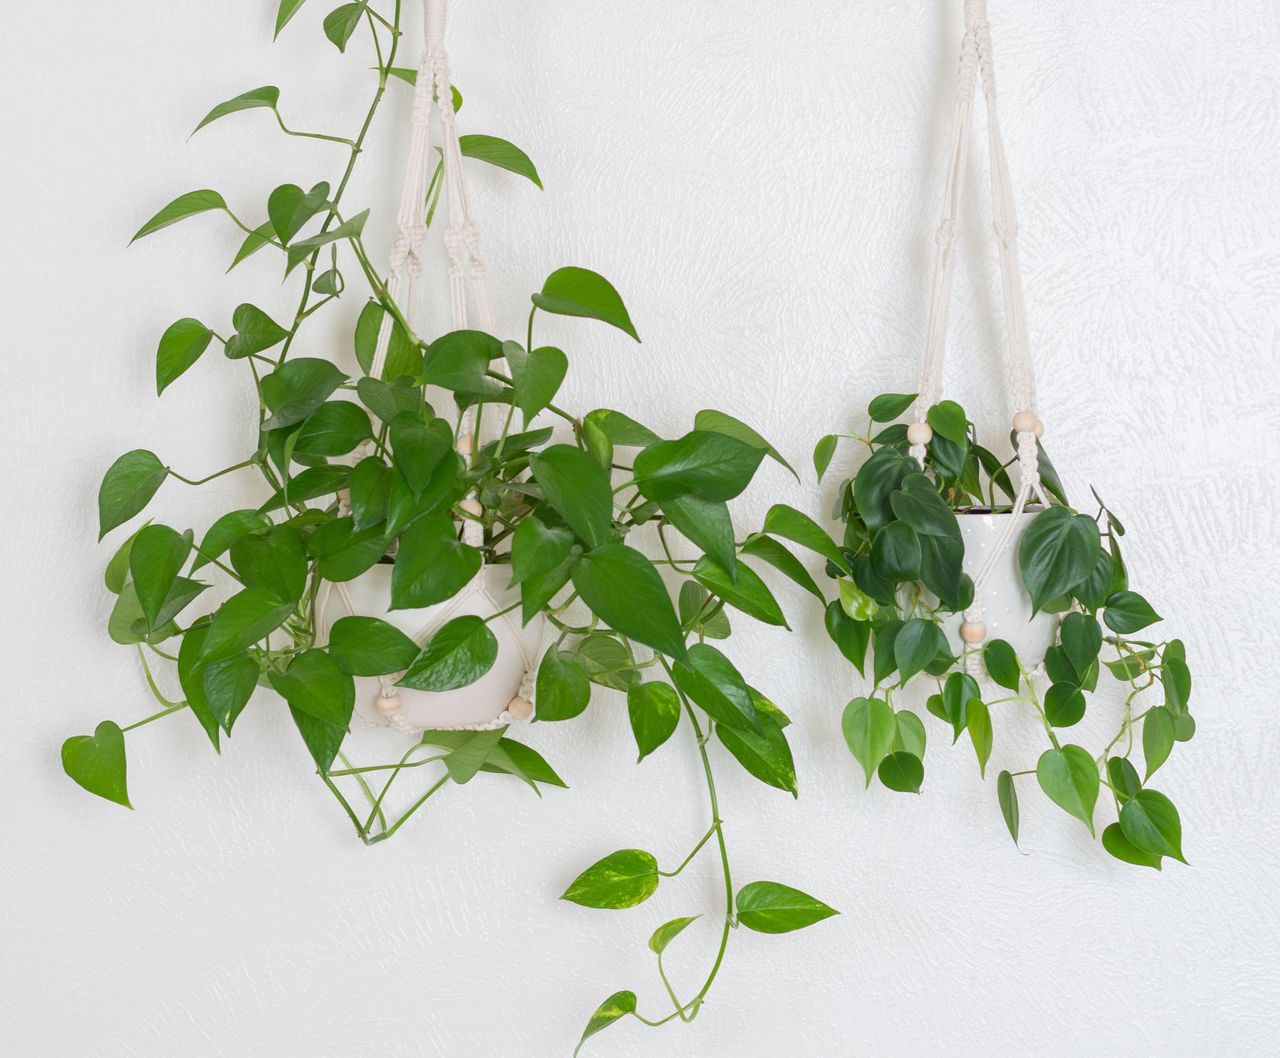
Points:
point(400, 251)
point(439, 62)
point(917, 453)
point(453, 242)
point(527, 684)
point(1028, 459)
point(471, 237)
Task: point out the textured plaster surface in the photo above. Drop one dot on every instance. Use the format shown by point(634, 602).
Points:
point(761, 181)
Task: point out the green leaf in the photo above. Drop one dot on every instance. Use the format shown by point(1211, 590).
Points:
point(342, 553)
point(1070, 777)
point(369, 489)
point(1115, 842)
point(621, 429)
point(849, 635)
point(288, 8)
point(823, 452)
point(879, 478)
point(342, 21)
point(304, 248)
point(246, 618)
point(578, 489)
point(622, 879)
point(538, 590)
point(870, 729)
point(948, 420)
point(255, 331)
point(718, 422)
point(770, 907)
point(1127, 612)
point(458, 361)
point(431, 564)
point(749, 594)
point(1157, 738)
point(618, 1005)
point(469, 754)
point(978, 722)
point(654, 710)
point(312, 482)
point(959, 690)
point(579, 292)
point(253, 242)
point(1064, 705)
point(1081, 639)
point(275, 561)
point(181, 345)
point(1008, 796)
point(127, 487)
point(895, 553)
point(713, 683)
point(707, 524)
point(289, 208)
point(1150, 822)
point(1176, 678)
point(910, 735)
point(191, 673)
point(1057, 552)
point(297, 388)
point(183, 206)
point(314, 684)
point(1124, 777)
point(563, 690)
point(458, 654)
point(367, 646)
point(917, 644)
point(713, 466)
point(768, 549)
point(536, 549)
point(116, 575)
point(669, 931)
point(227, 686)
point(499, 152)
point(419, 448)
point(625, 590)
point(509, 754)
point(902, 772)
point(888, 406)
point(765, 755)
point(607, 661)
point(266, 96)
point(535, 377)
point(1002, 664)
point(155, 560)
point(919, 505)
point(333, 429)
point(799, 528)
point(97, 762)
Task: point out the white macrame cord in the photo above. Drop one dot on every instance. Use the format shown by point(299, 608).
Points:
point(432, 91)
point(975, 59)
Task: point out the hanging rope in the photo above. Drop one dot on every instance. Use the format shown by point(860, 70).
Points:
point(433, 92)
point(975, 60)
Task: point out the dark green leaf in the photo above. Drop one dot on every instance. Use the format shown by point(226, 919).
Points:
point(227, 686)
point(180, 347)
point(888, 406)
point(563, 690)
point(625, 590)
point(419, 447)
point(768, 549)
point(314, 684)
point(1002, 664)
point(275, 561)
point(916, 646)
point(1124, 777)
point(711, 681)
point(156, 559)
point(959, 690)
point(458, 654)
point(313, 482)
point(367, 646)
point(1008, 796)
point(622, 879)
point(333, 429)
point(1150, 822)
point(770, 907)
point(458, 361)
point(766, 755)
point(706, 523)
point(116, 575)
point(535, 377)
point(823, 452)
point(536, 549)
point(749, 594)
point(879, 478)
point(297, 388)
point(253, 242)
point(1081, 639)
point(578, 489)
point(713, 466)
point(1157, 738)
point(508, 754)
point(1058, 550)
point(719, 422)
point(919, 505)
point(895, 552)
point(127, 487)
point(948, 420)
point(799, 528)
point(342, 553)
point(304, 248)
point(849, 635)
point(246, 618)
point(1127, 612)
point(902, 772)
point(1063, 705)
point(1115, 842)
point(579, 292)
point(431, 564)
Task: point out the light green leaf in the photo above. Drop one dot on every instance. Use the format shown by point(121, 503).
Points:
point(183, 206)
point(770, 907)
point(180, 346)
point(563, 689)
point(948, 420)
point(367, 646)
point(342, 21)
point(314, 684)
point(668, 931)
point(579, 292)
point(654, 710)
point(823, 452)
point(458, 654)
point(869, 729)
point(718, 422)
point(978, 722)
point(625, 590)
point(618, 1005)
point(622, 879)
point(253, 242)
point(536, 377)
point(97, 762)
point(1150, 822)
point(621, 429)
point(246, 618)
point(1070, 777)
point(499, 152)
point(288, 8)
point(255, 332)
point(127, 487)
point(910, 735)
point(289, 208)
point(1008, 796)
point(267, 96)
point(155, 560)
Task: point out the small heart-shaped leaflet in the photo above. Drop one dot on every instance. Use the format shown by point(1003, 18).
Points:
point(97, 762)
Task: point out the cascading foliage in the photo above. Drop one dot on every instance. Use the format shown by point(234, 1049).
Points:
point(899, 574)
point(358, 470)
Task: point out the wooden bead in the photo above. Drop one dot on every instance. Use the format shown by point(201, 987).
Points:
point(520, 708)
point(973, 631)
point(466, 444)
point(919, 433)
point(1039, 428)
point(389, 703)
point(472, 506)
point(1025, 422)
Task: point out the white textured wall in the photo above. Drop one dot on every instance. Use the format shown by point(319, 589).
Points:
point(761, 181)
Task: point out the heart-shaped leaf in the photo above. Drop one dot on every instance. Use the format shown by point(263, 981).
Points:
point(1070, 777)
point(97, 762)
point(575, 291)
point(869, 731)
point(626, 591)
point(499, 152)
point(1057, 552)
point(367, 646)
point(563, 689)
point(578, 489)
point(457, 655)
point(1150, 822)
point(181, 345)
point(127, 487)
point(654, 711)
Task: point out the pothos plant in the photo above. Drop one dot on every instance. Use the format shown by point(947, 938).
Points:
point(358, 469)
point(900, 574)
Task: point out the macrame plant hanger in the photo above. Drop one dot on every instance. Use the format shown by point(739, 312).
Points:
point(975, 58)
point(432, 91)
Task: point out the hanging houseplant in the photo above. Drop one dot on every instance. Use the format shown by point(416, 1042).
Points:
point(446, 572)
point(952, 570)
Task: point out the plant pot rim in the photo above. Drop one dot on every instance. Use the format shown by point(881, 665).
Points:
point(989, 512)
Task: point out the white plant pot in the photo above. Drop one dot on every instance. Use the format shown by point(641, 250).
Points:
point(1006, 604)
point(479, 704)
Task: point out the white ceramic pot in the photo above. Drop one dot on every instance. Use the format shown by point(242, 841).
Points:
point(478, 704)
point(1006, 604)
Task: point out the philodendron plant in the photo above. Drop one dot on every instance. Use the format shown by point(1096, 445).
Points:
point(359, 468)
point(900, 576)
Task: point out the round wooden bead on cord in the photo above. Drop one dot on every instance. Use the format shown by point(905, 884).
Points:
point(389, 703)
point(973, 632)
point(466, 444)
point(520, 708)
point(919, 433)
point(1025, 422)
point(472, 506)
